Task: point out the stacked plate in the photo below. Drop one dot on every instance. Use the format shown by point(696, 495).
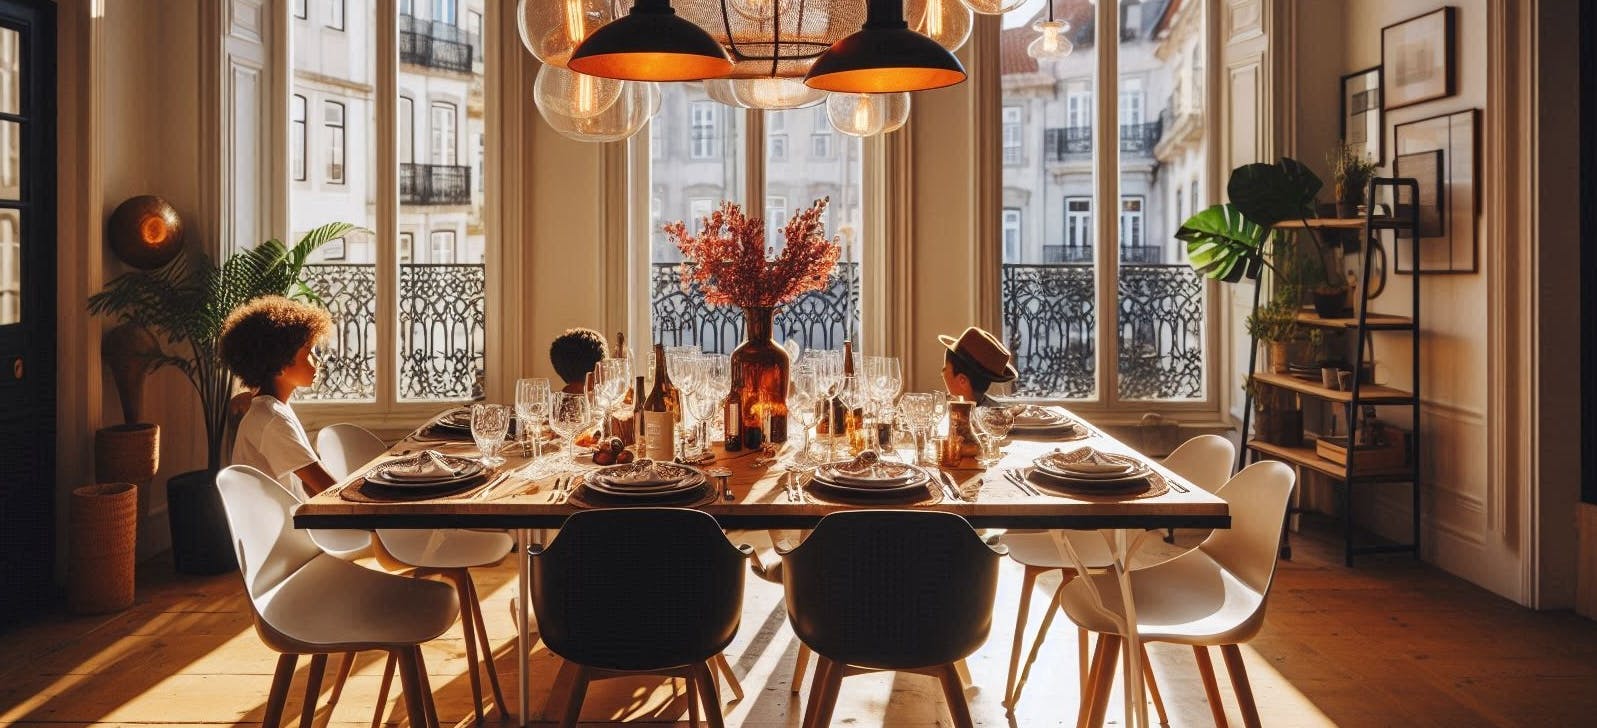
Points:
point(1088, 469)
point(646, 480)
point(427, 469)
point(1034, 419)
point(457, 420)
point(879, 479)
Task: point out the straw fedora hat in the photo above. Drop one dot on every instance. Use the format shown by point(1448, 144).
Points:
point(982, 351)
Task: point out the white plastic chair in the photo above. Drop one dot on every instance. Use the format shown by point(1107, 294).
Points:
point(1214, 594)
point(309, 603)
point(1205, 461)
point(447, 553)
point(346, 544)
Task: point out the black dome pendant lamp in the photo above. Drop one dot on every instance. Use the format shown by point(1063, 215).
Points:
point(651, 43)
point(885, 56)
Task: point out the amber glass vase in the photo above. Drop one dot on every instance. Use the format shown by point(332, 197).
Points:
point(759, 380)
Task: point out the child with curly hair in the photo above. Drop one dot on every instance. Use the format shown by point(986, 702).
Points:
point(269, 344)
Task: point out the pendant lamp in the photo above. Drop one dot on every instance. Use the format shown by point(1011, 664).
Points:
point(575, 95)
point(552, 29)
point(631, 111)
point(1052, 45)
point(992, 7)
point(651, 44)
point(865, 115)
point(946, 21)
point(770, 94)
point(885, 56)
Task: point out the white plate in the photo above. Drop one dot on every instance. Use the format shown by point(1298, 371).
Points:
point(466, 470)
point(881, 474)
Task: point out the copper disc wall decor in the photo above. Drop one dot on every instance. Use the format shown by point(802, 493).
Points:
point(145, 232)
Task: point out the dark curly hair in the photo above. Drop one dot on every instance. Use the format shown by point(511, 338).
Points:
point(576, 352)
point(260, 338)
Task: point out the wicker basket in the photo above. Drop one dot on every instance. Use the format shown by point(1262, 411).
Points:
point(127, 453)
point(104, 532)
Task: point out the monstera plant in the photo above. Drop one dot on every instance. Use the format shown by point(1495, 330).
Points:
point(1231, 240)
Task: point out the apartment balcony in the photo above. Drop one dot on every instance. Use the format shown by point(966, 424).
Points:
point(434, 184)
point(1074, 143)
point(437, 45)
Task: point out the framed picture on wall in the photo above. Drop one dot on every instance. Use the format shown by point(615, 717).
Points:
point(1453, 248)
point(1417, 58)
point(1361, 113)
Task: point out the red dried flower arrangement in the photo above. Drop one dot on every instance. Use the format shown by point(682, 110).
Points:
point(726, 258)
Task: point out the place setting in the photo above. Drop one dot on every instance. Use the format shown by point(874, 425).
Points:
point(424, 475)
point(1089, 472)
point(641, 483)
point(868, 479)
point(1042, 422)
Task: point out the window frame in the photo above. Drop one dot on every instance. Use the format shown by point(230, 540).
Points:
point(298, 137)
point(301, 9)
point(443, 149)
point(1013, 234)
point(1079, 95)
point(1013, 130)
point(337, 15)
point(405, 113)
point(704, 134)
point(337, 142)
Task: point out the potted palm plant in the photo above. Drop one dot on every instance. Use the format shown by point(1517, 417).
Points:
point(183, 304)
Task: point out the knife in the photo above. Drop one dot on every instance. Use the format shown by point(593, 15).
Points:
point(948, 486)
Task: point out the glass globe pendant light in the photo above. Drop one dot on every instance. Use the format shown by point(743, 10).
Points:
point(992, 7)
point(651, 43)
point(1052, 45)
point(946, 21)
point(768, 93)
point(637, 103)
point(552, 29)
point(575, 95)
point(885, 56)
point(865, 115)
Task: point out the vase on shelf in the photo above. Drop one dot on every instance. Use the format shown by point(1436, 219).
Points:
point(760, 380)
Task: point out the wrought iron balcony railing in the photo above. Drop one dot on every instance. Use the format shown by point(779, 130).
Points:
point(1074, 143)
point(1142, 254)
point(441, 331)
point(817, 320)
point(434, 184)
point(436, 45)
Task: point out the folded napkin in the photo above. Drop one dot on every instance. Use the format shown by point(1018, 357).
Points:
point(1032, 415)
point(428, 465)
point(643, 473)
point(1088, 461)
point(864, 462)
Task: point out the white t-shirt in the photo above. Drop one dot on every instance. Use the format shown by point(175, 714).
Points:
point(271, 439)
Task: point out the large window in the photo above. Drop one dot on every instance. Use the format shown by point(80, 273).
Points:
point(1104, 310)
point(296, 137)
point(407, 298)
point(715, 164)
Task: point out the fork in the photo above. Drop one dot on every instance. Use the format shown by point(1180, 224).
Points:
point(1020, 482)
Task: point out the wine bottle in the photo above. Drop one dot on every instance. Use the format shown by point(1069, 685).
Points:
point(731, 420)
point(627, 429)
point(850, 419)
point(659, 413)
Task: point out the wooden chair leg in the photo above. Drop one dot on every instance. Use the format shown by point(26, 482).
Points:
point(1082, 662)
point(1211, 688)
point(313, 689)
point(720, 664)
point(579, 690)
point(1153, 687)
point(338, 682)
point(834, 683)
point(693, 699)
point(279, 692)
point(1104, 679)
point(1036, 645)
point(461, 580)
point(382, 690)
point(812, 707)
point(1239, 683)
point(410, 683)
point(426, 689)
point(711, 694)
point(487, 647)
point(1089, 679)
point(1028, 580)
point(802, 664)
point(954, 694)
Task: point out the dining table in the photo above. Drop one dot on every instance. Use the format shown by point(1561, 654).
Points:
point(522, 496)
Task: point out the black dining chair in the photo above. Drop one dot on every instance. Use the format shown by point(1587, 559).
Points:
point(875, 590)
point(629, 591)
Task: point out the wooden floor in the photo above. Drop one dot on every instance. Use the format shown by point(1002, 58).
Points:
point(1389, 643)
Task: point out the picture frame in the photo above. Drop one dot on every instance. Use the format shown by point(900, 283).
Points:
point(1363, 113)
point(1426, 168)
point(1456, 248)
point(1418, 59)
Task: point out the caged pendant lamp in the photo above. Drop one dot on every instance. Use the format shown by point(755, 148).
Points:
point(885, 56)
point(651, 43)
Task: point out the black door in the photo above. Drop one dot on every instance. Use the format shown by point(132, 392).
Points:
point(27, 306)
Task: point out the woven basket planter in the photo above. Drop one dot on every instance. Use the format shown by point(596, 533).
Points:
point(127, 453)
point(103, 523)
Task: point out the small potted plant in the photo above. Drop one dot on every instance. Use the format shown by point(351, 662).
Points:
point(1351, 171)
point(1276, 324)
point(1278, 418)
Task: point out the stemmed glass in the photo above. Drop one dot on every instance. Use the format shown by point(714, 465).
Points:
point(701, 403)
point(569, 415)
point(919, 411)
point(802, 401)
point(610, 381)
point(940, 409)
point(994, 422)
point(717, 385)
point(489, 422)
point(853, 394)
point(828, 368)
point(532, 407)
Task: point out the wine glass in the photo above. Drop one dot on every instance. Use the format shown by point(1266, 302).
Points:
point(532, 407)
point(828, 375)
point(919, 412)
point(994, 422)
point(717, 383)
point(802, 404)
point(853, 394)
point(611, 379)
point(940, 409)
point(702, 403)
point(489, 422)
point(569, 416)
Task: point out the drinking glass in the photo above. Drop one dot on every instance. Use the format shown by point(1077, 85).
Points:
point(919, 413)
point(994, 422)
point(702, 402)
point(569, 416)
point(610, 381)
point(489, 422)
point(717, 385)
point(802, 405)
point(940, 409)
point(532, 408)
point(853, 394)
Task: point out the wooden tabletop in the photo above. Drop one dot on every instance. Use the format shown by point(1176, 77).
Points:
point(520, 501)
